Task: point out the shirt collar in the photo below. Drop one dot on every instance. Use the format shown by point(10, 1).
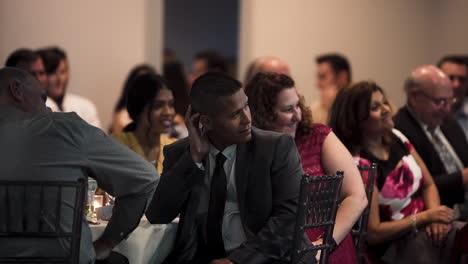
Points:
point(463, 112)
point(422, 124)
point(10, 113)
point(229, 152)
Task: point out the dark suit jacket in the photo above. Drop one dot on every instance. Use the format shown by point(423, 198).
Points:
point(268, 174)
point(450, 185)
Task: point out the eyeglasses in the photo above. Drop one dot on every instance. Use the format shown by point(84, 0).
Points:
point(440, 101)
point(461, 79)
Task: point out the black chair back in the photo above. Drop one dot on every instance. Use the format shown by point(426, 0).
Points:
point(359, 233)
point(318, 203)
point(40, 221)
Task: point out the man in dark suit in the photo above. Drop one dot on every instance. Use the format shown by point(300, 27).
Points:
point(250, 218)
point(437, 137)
point(456, 69)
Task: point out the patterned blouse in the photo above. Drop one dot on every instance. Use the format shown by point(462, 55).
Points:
point(399, 180)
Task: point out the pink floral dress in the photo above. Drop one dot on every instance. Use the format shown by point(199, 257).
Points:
point(310, 149)
point(400, 180)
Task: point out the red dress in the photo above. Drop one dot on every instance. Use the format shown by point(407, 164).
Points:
point(310, 149)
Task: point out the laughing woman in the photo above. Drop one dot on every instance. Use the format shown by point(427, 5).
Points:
point(150, 105)
point(276, 105)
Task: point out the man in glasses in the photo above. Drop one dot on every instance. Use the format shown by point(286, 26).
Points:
point(426, 120)
point(456, 69)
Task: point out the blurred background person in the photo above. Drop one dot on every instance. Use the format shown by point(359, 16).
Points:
point(456, 69)
point(266, 64)
point(276, 105)
point(176, 80)
point(407, 224)
point(31, 62)
point(333, 74)
point(121, 118)
point(57, 69)
point(150, 104)
point(207, 61)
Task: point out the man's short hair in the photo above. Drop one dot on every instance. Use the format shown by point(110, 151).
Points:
point(453, 59)
point(21, 56)
point(465, 59)
point(207, 89)
point(337, 62)
point(8, 74)
point(214, 61)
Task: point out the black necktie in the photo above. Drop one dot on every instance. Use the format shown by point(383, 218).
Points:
point(214, 220)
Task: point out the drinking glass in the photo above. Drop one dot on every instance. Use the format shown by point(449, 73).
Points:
point(92, 187)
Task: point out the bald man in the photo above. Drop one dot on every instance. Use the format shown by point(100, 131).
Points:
point(266, 64)
point(41, 145)
point(437, 137)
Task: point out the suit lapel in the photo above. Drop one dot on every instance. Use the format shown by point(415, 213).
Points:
point(426, 149)
point(243, 159)
point(456, 138)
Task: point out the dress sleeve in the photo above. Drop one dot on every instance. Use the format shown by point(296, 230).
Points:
point(321, 131)
point(360, 161)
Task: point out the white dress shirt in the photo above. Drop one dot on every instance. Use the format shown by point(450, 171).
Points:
point(84, 107)
point(232, 229)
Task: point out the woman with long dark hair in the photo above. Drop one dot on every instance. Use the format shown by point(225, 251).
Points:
point(150, 104)
point(121, 118)
point(407, 224)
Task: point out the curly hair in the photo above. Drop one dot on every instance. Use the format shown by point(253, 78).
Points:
point(263, 92)
point(350, 108)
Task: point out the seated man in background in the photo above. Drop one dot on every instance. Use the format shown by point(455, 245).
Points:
point(234, 186)
point(58, 73)
point(31, 62)
point(456, 68)
point(264, 65)
point(333, 74)
point(437, 137)
point(40, 145)
point(207, 61)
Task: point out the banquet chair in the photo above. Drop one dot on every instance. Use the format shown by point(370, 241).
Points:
point(359, 232)
point(40, 221)
point(460, 246)
point(318, 204)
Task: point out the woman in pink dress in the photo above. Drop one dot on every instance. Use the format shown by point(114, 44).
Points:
point(276, 105)
point(407, 224)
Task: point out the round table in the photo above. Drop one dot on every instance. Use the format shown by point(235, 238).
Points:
point(148, 243)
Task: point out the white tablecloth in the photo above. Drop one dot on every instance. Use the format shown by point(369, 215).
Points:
point(146, 244)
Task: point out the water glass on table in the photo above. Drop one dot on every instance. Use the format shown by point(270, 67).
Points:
point(92, 187)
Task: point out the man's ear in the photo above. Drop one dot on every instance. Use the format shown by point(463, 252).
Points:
point(16, 90)
point(206, 122)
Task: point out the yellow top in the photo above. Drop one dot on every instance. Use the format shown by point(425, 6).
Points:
point(129, 139)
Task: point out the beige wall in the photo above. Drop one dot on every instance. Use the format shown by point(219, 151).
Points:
point(450, 33)
point(384, 40)
point(103, 39)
